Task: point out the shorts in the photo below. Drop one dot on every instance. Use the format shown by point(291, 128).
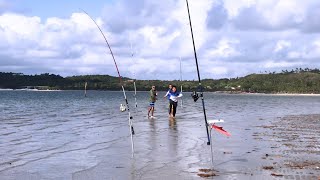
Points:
point(151, 104)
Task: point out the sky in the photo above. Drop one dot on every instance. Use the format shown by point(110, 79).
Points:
point(150, 39)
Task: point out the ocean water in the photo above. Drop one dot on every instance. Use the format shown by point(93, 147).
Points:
point(64, 135)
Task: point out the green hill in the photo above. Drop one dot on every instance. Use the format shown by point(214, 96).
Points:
point(294, 81)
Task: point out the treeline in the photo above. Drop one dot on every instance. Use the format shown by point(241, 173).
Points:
point(52, 81)
point(294, 81)
point(19, 80)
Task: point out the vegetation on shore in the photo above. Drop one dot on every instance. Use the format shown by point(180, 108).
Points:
point(294, 81)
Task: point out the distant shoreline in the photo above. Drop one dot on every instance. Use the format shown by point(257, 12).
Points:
point(294, 94)
point(217, 92)
point(29, 89)
point(273, 94)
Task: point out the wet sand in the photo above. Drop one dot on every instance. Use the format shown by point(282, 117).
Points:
point(272, 138)
point(294, 147)
point(286, 148)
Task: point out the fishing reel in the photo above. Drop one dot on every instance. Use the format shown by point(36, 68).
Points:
point(195, 96)
point(123, 107)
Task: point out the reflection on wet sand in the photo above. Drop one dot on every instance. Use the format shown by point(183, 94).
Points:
point(172, 123)
point(173, 137)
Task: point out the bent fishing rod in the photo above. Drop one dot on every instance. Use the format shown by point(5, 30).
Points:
point(121, 82)
point(199, 79)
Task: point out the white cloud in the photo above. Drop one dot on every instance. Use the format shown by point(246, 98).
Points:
point(313, 50)
point(219, 70)
point(155, 39)
point(40, 54)
point(17, 28)
point(233, 7)
point(233, 38)
point(281, 44)
point(294, 55)
point(224, 49)
point(273, 64)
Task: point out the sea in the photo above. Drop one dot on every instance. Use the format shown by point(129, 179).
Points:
point(65, 135)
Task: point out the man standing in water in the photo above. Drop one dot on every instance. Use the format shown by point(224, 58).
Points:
point(174, 95)
point(153, 98)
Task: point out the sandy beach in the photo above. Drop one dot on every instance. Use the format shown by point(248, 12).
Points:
point(293, 94)
point(270, 94)
point(294, 148)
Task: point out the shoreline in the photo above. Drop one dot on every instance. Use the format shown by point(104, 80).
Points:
point(294, 94)
point(272, 94)
point(216, 92)
point(30, 89)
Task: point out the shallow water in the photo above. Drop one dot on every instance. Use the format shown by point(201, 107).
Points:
point(63, 135)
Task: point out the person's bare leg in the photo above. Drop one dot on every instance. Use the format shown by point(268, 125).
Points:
point(170, 110)
point(149, 109)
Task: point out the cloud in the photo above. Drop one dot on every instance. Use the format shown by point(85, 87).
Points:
point(278, 15)
point(232, 38)
point(225, 48)
point(218, 15)
point(283, 64)
point(311, 23)
point(136, 14)
point(281, 45)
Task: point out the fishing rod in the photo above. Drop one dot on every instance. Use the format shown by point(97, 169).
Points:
point(199, 79)
point(134, 81)
point(121, 82)
point(181, 81)
point(135, 93)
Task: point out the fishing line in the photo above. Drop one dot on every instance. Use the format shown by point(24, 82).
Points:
point(181, 81)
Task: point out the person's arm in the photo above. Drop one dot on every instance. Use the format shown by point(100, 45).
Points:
point(180, 94)
point(166, 94)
